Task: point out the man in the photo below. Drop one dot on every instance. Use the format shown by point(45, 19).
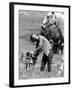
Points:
point(44, 45)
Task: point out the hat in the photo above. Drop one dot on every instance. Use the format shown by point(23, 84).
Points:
point(35, 36)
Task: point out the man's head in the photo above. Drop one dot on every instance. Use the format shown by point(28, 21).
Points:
point(34, 37)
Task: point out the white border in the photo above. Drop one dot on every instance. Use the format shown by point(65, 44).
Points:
point(16, 46)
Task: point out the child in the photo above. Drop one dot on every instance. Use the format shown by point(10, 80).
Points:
point(28, 61)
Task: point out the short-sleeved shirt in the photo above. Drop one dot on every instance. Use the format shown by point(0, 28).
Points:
point(45, 44)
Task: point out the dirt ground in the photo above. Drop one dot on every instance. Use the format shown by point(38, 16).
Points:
point(29, 23)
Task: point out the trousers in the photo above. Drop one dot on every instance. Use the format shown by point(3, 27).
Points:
point(47, 60)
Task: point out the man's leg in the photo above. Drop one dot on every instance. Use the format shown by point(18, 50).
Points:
point(50, 56)
point(43, 62)
point(49, 65)
point(26, 65)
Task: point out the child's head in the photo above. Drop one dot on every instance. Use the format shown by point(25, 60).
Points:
point(28, 54)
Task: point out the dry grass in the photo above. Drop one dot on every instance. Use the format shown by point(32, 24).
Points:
point(30, 23)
